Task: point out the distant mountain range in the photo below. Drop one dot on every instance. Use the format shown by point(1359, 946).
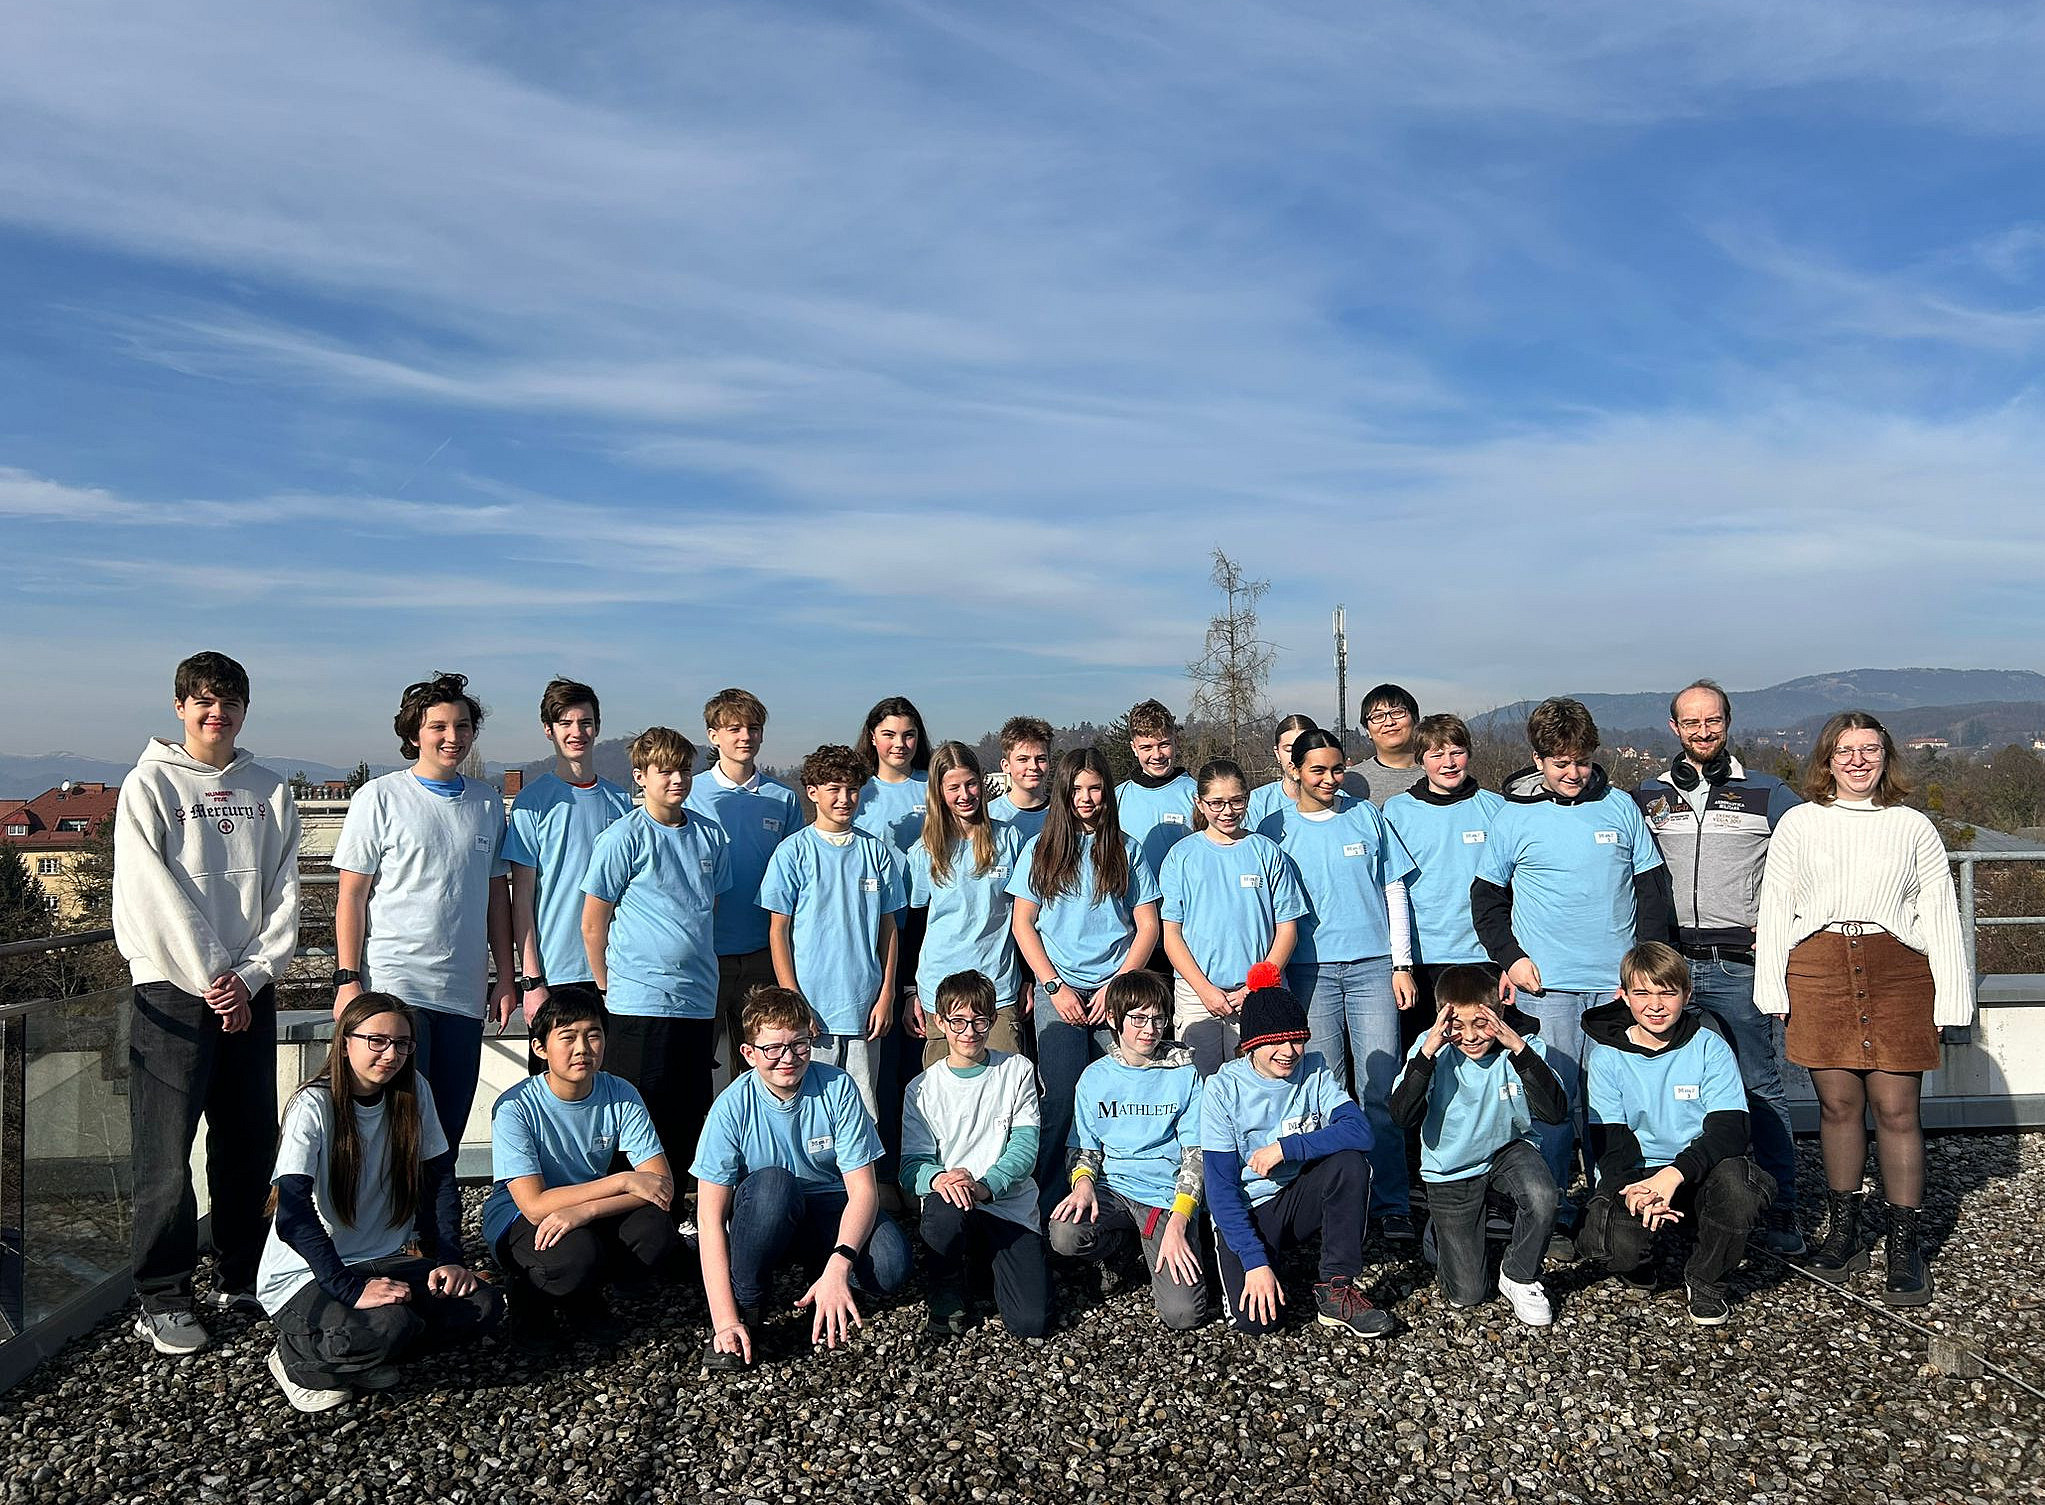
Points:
point(2003, 704)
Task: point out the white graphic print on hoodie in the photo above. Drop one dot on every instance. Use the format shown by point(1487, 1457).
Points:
point(205, 870)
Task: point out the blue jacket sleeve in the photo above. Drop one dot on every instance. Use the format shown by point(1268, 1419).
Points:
point(300, 1227)
point(1346, 1129)
point(1230, 1208)
point(440, 1210)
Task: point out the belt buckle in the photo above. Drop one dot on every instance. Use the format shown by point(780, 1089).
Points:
point(1852, 928)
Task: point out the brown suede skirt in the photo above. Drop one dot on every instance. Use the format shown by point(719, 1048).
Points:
point(1862, 1002)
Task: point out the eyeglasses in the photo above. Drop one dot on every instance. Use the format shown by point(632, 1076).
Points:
point(968, 1024)
point(1386, 717)
point(1221, 807)
point(1149, 1024)
point(795, 1050)
point(1871, 754)
point(1701, 724)
point(404, 1045)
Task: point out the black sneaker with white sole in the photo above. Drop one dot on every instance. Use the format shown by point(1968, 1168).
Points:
point(1708, 1306)
point(1338, 1303)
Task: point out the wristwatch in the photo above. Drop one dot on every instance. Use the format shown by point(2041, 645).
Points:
point(1054, 985)
point(345, 975)
point(1402, 966)
point(527, 984)
point(851, 1254)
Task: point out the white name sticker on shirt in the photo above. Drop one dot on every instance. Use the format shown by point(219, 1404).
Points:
point(1686, 1092)
point(1355, 848)
point(1508, 1090)
point(708, 864)
point(871, 885)
point(770, 823)
point(1472, 838)
point(1607, 838)
point(1171, 818)
point(999, 870)
point(602, 1146)
point(820, 1143)
point(482, 843)
point(1251, 880)
point(1306, 1123)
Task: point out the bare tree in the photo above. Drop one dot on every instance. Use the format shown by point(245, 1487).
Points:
point(1229, 677)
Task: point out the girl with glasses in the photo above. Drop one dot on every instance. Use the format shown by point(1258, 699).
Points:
point(1136, 1166)
point(1231, 900)
point(1859, 942)
point(958, 876)
point(1085, 912)
point(363, 1168)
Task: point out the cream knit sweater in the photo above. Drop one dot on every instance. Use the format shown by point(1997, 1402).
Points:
point(1852, 860)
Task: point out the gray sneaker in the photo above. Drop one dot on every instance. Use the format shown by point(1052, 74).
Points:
point(303, 1397)
point(175, 1332)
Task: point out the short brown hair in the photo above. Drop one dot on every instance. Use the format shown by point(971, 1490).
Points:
point(1561, 728)
point(833, 763)
point(441, 689)
point(774, 1008)
point(1130, 991)
point(974, 989)
point(1019, 729)
point(1443, 729)
point(733, 707)
point(1152, 718)
point(560, 694)
point(1819, 786)
point(1465, 986)
point(1656, 962)
point(662, 747)
point(210, 671)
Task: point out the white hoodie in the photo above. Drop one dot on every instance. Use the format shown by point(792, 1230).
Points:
point(205, 870)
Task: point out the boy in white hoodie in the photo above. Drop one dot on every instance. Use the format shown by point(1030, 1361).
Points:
point(206, 915)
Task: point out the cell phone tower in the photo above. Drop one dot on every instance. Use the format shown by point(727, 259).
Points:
point(1342, 674)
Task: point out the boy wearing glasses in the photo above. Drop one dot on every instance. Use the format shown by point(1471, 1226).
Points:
point(969, 1147)
point(784, 1170)
point(559, 1219)
point(1392, 716)
point(1136, 1169)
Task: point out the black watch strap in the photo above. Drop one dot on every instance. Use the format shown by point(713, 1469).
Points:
point(345, 975)
point(851, 1254)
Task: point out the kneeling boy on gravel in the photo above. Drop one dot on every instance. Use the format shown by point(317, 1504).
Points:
point(1668, 1124)
point(1474, 1086)
point(1282, 1147)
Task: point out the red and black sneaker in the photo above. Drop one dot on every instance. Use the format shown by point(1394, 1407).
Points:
point(1340, 1304)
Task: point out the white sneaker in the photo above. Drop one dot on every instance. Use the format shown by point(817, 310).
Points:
point(176, 1333)
point(1529, 1302)
point(302, 1397)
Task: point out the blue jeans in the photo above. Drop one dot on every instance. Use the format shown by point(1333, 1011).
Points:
point(1354, 1017)
point(450, 1057)
point(772, 1218)
point(1063, 1052)
point(1726, 989)
point(1561, 1016)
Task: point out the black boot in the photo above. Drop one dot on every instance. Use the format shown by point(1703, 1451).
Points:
point(1839, 1254)
point(1909, 1280)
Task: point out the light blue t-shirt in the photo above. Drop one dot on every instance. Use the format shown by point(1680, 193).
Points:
point(1159, 818)
point(1446, 843)
point(968, 928)
point(1267, 800)
point(1571, 869)
point(816, 1136)
point(1344, 860)
point(1475, 1108)
point(1086, 941)
point(1244, 1110)
point(1027, 823)
point(835, 897)
point(552, 830)
point(535, 1133)
point(1142, 1119)
point(664, 880)
point(893, 812)
point(1663, 1097)
point(755, 821)
point(1229, 901)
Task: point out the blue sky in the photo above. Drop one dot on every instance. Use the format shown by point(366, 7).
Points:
point(848, 350)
